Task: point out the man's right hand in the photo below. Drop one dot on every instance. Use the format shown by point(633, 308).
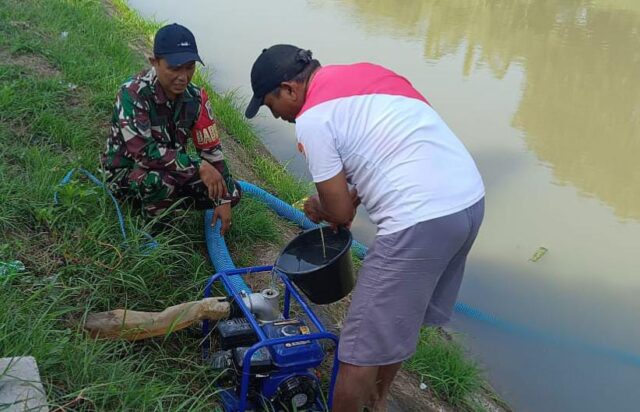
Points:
point(222, 212)
point(213, 180)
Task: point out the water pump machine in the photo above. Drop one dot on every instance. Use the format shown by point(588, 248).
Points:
point(267, 359)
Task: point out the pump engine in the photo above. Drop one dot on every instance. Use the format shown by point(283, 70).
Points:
point(282, 369)
point(282, 378)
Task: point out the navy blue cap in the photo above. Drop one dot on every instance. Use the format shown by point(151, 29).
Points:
point(176, 44)
point(277, 64)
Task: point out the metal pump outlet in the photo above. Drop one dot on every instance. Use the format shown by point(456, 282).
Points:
point(264, 305)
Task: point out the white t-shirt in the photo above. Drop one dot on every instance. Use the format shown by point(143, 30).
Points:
point(402, 158)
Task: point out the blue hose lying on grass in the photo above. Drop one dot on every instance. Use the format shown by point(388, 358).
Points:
point(151, 244)
point(221, 260)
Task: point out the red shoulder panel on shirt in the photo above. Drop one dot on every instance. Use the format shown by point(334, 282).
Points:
point(205, 133)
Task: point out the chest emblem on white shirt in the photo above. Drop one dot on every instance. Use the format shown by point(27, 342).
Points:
point(301, 150)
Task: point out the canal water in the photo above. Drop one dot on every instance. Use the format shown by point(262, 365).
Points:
point(546, 96)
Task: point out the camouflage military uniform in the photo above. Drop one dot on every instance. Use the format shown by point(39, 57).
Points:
point(146, 157)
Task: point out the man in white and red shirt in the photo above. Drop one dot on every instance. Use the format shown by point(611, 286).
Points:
point(369, 136)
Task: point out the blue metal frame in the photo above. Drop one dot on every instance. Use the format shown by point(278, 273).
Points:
point(290, 290)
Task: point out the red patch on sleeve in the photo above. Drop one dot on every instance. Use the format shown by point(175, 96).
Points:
point(205, 133)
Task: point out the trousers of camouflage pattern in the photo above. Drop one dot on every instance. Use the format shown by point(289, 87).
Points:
point(156, 190)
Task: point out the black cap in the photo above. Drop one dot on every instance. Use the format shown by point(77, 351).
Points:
point(176, 44)
point(277, 64)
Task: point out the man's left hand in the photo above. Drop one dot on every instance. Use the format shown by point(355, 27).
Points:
point(222, 212)
point(313, 209)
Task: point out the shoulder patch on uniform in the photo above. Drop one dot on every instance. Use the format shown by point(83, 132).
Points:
point(205, 133)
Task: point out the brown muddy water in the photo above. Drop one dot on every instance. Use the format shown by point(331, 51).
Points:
point(546, 96)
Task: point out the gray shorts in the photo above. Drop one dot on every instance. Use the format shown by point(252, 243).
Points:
point(408, 279)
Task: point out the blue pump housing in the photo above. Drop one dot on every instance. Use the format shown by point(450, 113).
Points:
point(293, 355)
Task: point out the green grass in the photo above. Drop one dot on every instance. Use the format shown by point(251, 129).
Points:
point(75, 259)
point(442, 365)
point(56, 95)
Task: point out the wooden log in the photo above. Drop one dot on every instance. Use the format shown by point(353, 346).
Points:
point(136, 325)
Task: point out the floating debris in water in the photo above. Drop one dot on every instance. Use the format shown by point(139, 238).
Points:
point(539, 253)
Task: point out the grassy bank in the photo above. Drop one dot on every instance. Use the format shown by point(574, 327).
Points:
point(62, 62)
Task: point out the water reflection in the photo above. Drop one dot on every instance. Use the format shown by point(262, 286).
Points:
point(580, 107)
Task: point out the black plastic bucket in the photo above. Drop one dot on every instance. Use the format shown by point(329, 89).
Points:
point(324, 278)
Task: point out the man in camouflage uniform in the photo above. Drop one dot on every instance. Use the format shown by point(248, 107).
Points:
point(155, 115)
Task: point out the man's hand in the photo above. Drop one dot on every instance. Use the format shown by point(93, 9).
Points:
point(213, 180)
point(313, 209)
point(334, 203)
point(222, 212)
